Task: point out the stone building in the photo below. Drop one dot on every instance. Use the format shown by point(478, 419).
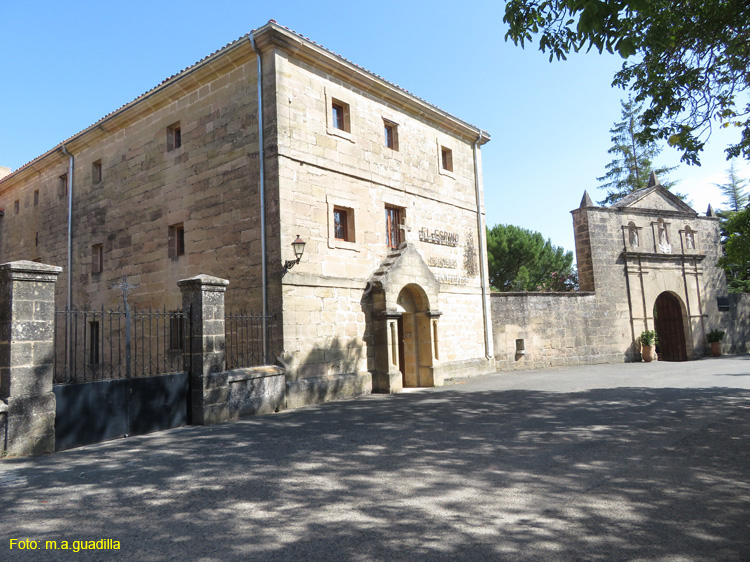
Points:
point(191, 178)
point(646, 262)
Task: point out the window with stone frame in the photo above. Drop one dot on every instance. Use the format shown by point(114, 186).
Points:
point(393, 220)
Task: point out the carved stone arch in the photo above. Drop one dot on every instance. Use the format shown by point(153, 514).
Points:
point(404, 295)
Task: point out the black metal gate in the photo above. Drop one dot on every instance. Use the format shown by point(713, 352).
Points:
point(119, 372)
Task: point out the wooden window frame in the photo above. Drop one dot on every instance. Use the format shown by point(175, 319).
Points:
point(97, 258)
point(96, 172)
point(341, 230)
point(176, 240)
point(393, 221)
point(174, 137)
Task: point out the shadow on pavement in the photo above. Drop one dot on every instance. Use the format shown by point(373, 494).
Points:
point(609, 474)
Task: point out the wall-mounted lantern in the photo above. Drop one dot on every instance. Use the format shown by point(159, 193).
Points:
point(299, 249)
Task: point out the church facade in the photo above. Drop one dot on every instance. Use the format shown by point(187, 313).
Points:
point(270, 140)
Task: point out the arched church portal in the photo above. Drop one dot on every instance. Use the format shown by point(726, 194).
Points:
point(415, 337)
point(670, 327)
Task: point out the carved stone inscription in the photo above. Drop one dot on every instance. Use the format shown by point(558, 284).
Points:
point(442, 262)
point(451, 279)
point(441, 237)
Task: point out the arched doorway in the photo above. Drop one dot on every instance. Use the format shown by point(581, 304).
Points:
point(414, 337)
point(670, 327)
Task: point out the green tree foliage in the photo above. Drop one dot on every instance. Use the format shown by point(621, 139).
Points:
point(736, 260)
point(688, 58)
point(521, 260)
point(735, 230)
point(633, 158)
point(734, 190)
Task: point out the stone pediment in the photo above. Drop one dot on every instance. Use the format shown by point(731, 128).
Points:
point(405, 266)
point(654, 198)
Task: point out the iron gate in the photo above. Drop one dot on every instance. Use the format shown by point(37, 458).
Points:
point(119, 372)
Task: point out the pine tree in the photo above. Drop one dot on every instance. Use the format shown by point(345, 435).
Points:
point(734, 190)
point(633, 159)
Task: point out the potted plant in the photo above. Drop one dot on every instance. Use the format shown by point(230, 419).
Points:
point(714, 337)
point(647, 340)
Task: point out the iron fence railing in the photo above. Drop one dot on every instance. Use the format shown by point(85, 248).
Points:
point(244, 339)
point(104, 344)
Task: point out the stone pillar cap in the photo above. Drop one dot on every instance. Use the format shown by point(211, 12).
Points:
point(25, 266)
point(203, 279)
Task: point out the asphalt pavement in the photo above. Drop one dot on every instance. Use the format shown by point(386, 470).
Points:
point(647, 462)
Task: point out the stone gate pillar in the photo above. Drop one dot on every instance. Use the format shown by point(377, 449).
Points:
point(203, 295)
point(27, 328)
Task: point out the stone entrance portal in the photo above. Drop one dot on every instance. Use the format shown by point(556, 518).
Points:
point(404, 294)
point(670, 327)
point(415, 337)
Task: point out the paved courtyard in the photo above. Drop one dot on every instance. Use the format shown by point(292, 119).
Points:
point(613, 462)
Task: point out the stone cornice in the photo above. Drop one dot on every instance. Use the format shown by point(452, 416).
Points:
point(664, 257)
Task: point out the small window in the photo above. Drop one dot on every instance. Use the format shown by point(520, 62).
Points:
point(446, 159)
point(391, 135)
point(96, 171)
point(340, 224)
point(176, 332)
point(393, 217)
point(340, 116)
point(97, 258)
point(16, 206)
point(176, 240)
point(174, 137)
point(62, 185)
point(36, 197)
point(94, 343)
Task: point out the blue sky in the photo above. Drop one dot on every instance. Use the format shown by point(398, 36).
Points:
point(65, 65)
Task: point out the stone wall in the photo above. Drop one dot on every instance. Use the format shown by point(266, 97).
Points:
point(327, 325)
point(556, 329)
point(736, 323)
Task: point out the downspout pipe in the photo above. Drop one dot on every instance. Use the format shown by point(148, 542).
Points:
point(488, 351)
point(71, 162)
point(263, 249)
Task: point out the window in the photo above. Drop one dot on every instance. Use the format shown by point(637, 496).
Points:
point(174, 136)
point(176, 240)
point(393, 217)
point(176, 332)
point(340, 224)
point(340, 116)
point(446, 159)
point(16, 206)
point(62, 185)
point(94, 343)
point(391, 135)
point(36, 197)
point(97, 258)
point(96, 171)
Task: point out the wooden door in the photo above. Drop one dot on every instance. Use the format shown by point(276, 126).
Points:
point(670, 328)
